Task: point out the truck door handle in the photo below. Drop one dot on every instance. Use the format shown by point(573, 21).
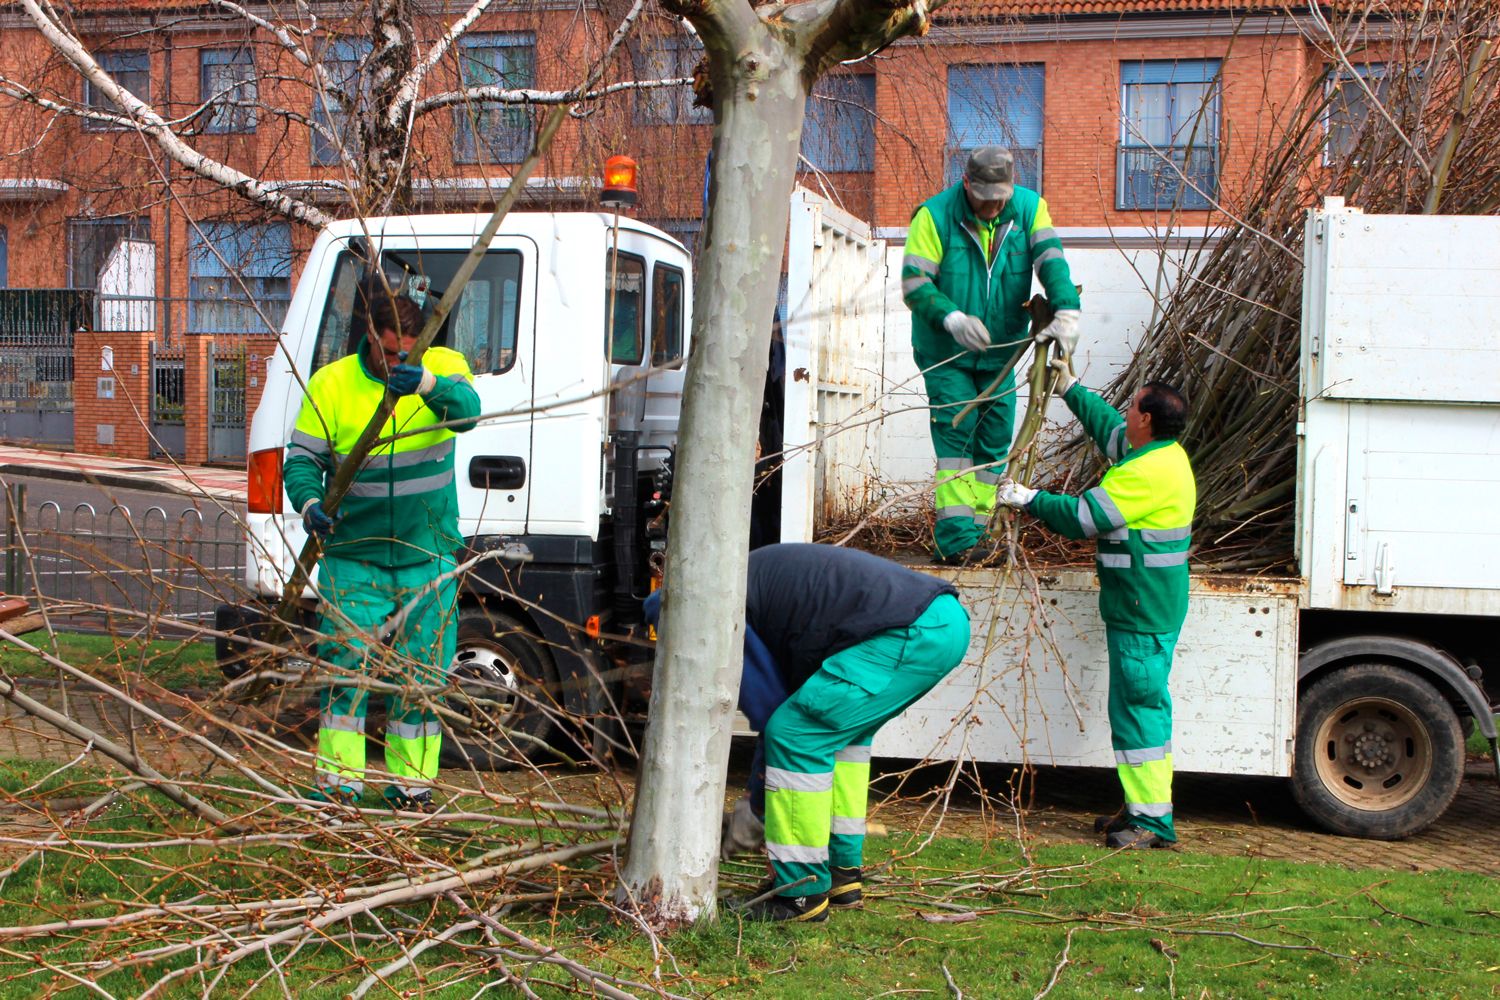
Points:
point(497, 472)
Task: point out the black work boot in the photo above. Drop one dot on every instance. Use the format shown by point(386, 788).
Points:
point(847, 892)
point(419, 801)
point(810, 909)
point(1133, 838)
point(1111, 824)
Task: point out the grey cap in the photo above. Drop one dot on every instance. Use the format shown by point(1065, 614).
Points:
point(991, 173)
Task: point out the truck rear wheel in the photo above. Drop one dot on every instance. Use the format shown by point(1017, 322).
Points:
point(1379, 752)
point(506, 684)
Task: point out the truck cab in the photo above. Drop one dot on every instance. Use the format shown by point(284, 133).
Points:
point(562, 480)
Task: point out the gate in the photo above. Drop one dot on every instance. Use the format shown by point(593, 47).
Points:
point(168, 402)
point(36, 363)
point(226, 402)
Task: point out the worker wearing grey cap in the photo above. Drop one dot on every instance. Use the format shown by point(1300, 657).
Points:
point(970, 255)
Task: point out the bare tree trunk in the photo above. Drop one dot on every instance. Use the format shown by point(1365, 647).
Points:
point(385, 133)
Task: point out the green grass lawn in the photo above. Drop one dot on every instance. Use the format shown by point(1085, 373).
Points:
point(1156, 924)
point(175, 664)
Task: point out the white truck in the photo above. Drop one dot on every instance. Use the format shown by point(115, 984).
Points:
point(1356, 679)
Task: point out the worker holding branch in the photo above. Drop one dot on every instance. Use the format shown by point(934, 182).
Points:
point(392, 543)
point(1141, 515)
point(970, 255)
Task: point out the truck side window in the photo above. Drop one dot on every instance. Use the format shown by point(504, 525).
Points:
point(666, 315)
point(627, 337)
point(481, 327)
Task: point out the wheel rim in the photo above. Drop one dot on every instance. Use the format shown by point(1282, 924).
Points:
point(487, 676)
point(1373, 754)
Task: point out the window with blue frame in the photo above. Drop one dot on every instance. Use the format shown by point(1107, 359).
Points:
point(228, 90)
point(838, 135)
point(996, 104)
point(131, 70)
point(347, 88)
point(486, 132)
point(669, 58)
point(1169, 134)
point(1350, 106)
point(232, 265)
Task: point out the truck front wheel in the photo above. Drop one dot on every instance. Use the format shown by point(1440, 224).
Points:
point(1379, 752)
point(506, 683)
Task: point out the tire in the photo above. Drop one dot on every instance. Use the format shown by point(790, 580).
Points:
point(501, 662)
point(1379, 752)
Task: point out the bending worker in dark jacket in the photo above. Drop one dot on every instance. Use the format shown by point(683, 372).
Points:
point(1142, 515)
point(856, 639)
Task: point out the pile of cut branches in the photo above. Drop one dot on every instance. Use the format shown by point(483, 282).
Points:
point(1230, 335)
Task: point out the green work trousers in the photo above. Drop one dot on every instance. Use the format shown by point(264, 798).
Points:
point(964, 500)
point(818, 742)
point(1140, 724)
point(420, 653)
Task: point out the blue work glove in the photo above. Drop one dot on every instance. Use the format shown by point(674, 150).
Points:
point(406, 379)
point(316, 520)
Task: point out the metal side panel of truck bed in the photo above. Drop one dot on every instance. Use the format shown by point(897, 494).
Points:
point(1034, 685)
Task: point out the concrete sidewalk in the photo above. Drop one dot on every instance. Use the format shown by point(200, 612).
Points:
point(222, 483)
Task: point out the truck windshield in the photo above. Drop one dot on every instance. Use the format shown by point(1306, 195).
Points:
point(482, 327)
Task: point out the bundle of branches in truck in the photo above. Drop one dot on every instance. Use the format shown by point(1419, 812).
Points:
point(1428, 90)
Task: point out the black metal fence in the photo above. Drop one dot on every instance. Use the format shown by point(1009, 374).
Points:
point(36, 362)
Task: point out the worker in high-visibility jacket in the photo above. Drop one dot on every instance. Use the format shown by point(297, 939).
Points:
point(391, 547)
point(970, 255)
point(855, 639)
point(1141, 515)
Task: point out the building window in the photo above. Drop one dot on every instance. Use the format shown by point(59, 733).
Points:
point(91, 241)
point(1169, 134)
point(131, 70)
point(996, 105)
point(669, 59)
point(342, 60)
point(231, 266)
point(1349, 107)
point(839, 133)
point(227, 79)
point(485, 132)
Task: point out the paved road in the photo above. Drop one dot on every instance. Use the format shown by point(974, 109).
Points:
point(134, 550)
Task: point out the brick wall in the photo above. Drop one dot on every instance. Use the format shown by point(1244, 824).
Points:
point(111, 397)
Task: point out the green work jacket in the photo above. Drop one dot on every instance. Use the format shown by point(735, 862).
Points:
point(1142, 515)
point(955, 261)
point(402, 508)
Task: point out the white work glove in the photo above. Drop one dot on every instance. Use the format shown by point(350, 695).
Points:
point(969, 331)
point(743, 832)
point(1063, 329)
point(1013, 494)
point(1065, 379)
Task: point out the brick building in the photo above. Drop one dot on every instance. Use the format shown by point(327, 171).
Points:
point(1128, 114)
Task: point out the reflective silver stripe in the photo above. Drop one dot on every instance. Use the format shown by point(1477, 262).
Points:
point(342, 723)
point(1164, 558)
point(854, 755)
point(1086, 519)
point(1114, 560)
point(1043, 235)
point(1116, 535)
point(909, 285)
point(1102, 498)
point(1165, 534)
point(953, 464)
point(796, 852)
point(781, 780)
point(920, 263)
point(401, 487)
point(309, 443)
point(1051, 253)
point(947, 513)
point(414, 730)
point(849, 826)
point(1114, 448)
point(1149, 808)
point(989, 478)
point(412, 791)
point(405, 459)
point(327, 779)
point(1133, 757)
